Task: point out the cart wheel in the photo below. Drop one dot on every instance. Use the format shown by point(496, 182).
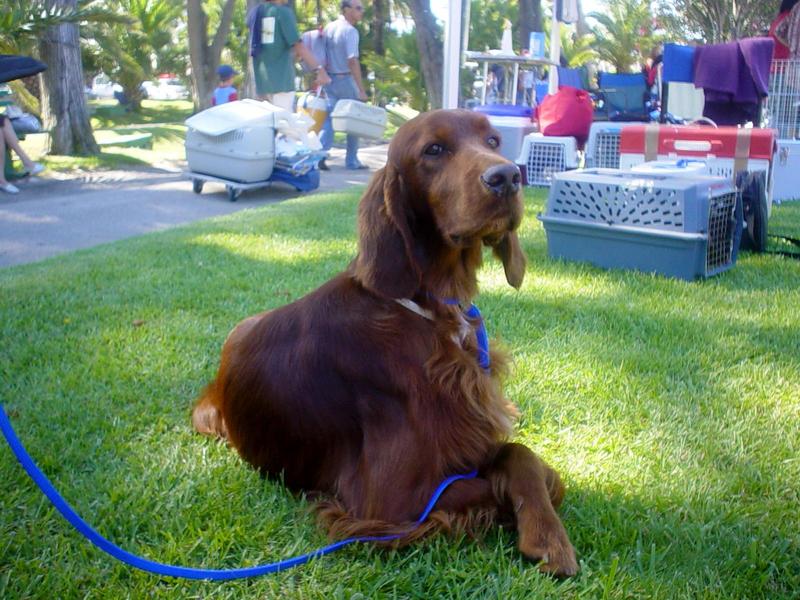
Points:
point(754, 201)
point(233, 193)
point(197, 185)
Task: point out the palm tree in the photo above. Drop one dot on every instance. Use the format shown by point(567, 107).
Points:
point(134, 52)
point(24, 22)
point(624, 37)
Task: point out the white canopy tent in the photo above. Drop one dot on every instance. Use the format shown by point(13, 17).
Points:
point(452, 54)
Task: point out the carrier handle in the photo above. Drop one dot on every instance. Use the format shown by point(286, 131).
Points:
point(694, 145)
point(702, 121)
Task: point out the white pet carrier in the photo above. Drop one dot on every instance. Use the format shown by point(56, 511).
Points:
point(544, 156)
point(357, 118)
point(234, 141)
point(512, 133)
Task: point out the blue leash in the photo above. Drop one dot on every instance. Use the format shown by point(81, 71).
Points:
point(480, 332)
point(187, 572)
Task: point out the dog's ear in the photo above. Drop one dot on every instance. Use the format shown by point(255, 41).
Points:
point(386, 261)
point(509, 251)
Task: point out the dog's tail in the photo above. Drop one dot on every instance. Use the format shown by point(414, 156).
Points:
point(341, 524)
point(206, 416)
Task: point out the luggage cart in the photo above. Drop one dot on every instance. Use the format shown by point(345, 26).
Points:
point(302, 183)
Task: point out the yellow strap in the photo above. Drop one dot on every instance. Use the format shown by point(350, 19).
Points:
point(742, 155)
point(651, 142)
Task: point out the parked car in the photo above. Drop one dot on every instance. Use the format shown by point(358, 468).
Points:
point(165, 89)
point(103, 87)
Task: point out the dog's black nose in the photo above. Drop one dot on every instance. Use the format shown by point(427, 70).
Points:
point(502, 180)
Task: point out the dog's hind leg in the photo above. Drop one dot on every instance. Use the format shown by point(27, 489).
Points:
point(206, 417)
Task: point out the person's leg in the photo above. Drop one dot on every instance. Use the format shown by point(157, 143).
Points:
point(12, 141)
point(5, 186)
point(351, 157)
point(3, 179)
point(326, 135)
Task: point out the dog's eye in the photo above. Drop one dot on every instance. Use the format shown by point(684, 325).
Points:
point(434, 150)
point(493, 141)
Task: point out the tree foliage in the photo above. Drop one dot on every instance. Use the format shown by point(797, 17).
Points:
point(714, 21)
point(135, 51)
point(624, 34)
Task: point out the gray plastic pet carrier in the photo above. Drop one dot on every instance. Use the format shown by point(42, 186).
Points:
point(677, 226)
point(602, 148)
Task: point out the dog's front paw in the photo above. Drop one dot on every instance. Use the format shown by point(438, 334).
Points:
point(551, 549)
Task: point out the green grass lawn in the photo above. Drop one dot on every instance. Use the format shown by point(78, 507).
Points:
point(671, 409)
point(162, 119)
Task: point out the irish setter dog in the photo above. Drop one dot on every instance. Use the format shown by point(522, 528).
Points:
point(368, 390)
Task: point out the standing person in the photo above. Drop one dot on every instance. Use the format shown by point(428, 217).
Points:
point(345, 70)
point(779, 30)
point(225, 92)
point(274, 41)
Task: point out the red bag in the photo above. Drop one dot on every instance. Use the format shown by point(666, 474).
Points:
point(567, 112)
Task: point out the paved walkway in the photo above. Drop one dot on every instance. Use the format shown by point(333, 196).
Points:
point(54, 215)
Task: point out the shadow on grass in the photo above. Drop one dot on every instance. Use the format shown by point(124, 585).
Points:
point(104, 160)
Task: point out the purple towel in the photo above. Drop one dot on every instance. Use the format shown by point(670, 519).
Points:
point(716, 68)
point(757, 53)
point(735, 71)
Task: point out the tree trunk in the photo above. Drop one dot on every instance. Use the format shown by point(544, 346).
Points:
point(64, 109)
point(205, 57)
point(530, 19)
point(378, 25)
point(582, 27)
point(430, 48)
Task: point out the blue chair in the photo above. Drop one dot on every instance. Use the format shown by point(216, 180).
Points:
point(624, 96)
point(677, 66)
point(572, 77)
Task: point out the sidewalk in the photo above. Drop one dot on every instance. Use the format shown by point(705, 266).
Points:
point(52, 216)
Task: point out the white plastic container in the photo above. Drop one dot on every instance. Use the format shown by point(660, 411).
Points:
point(685, 167)
point(786, 179)
point(234, 141)
point(512, 131)
point(358, 118)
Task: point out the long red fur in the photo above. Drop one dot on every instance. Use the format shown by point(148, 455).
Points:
point(351, 395)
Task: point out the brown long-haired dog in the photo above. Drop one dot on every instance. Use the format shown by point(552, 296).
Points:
point(369, 390)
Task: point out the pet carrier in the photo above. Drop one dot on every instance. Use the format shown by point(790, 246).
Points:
point(544, 156)
point(357, 118)
point(740, 154)
point(235, 140)
point(602, 149)
point(724, 149)
point(677, 226)
point(786, 179)
point(512, 133)
point(782, 112)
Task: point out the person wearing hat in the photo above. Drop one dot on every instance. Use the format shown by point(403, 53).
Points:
point(274, 42)
point(225, 92)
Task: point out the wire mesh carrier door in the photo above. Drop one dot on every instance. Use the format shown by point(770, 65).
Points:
point(676, 226)
point(543, 156)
